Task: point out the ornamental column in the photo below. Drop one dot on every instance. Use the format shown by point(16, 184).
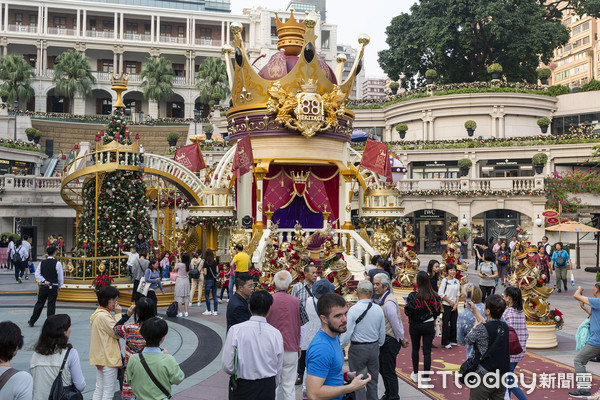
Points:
point(345, 200)
point(259, 176)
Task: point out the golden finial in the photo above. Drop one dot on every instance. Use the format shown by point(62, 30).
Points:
point(236, 27)
point(291, 35)
point(226, 49)
point(364, 39)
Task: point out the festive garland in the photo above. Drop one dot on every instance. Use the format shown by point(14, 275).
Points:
point(219, 222)
point(181, 202)
point(478, 192)
point(557, 316)
point(375, 221)
point(2, 189)
point(454, 88)
point(20, 145)
point(106, 118)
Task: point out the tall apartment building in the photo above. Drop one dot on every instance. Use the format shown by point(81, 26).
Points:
point(374, 88)
point(120, 38)
point(579, 60)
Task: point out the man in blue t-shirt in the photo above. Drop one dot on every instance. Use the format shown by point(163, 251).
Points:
point(324, 357)
point(561, 263)
point(592, 347)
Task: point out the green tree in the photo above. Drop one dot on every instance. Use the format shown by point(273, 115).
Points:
point(212, 80)
point(72, 75)
point(461, 38)
point(157, 79)
point(16, 74)
point(580, 7)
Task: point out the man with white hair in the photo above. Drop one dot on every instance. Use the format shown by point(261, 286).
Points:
point(366, 334)
point(285, 316)
point(394, 335)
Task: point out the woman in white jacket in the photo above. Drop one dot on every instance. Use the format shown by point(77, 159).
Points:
point(50, 351)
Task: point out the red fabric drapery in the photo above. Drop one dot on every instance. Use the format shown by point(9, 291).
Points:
point(320, 191)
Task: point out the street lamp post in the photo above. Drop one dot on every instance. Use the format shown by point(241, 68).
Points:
point(196, 115)
point(16, 109)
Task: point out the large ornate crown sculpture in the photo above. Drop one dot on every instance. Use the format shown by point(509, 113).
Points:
point(296, 92)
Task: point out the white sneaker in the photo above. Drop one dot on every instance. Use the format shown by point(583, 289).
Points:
point(179, 315)
point(198, 304)
point(414, 377)
point(214, 313)
point(185, 314)
point(190, 304)
point(454, 344)
point(207, 313)
point(448, 346)
point(220, 301)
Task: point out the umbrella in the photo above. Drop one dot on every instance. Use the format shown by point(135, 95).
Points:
point(572, 226)
point(361, 136)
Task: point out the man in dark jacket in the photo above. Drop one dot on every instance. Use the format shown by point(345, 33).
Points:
point(49, 275)
point(237, 307)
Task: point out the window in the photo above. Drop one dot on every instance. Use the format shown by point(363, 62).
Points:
point(131, 67)
point(577, 43)
point(60, 22)
point(165, 29)
point(147, 28)
point(19, 18)
point(33, 19)
point(74, 21)
point(131, 27)
point(105, 65)
point(180, 31)
point(108, 25)
point(568, 47)
point(207, 32)
point(92, 23)
point(585, 40)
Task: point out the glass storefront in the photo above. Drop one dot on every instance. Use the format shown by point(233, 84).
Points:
point(506, 168)
point(430, 230)
point(434, 170)
point(501, 224)
point(16, 167)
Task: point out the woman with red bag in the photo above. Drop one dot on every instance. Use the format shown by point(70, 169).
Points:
point(544, 263)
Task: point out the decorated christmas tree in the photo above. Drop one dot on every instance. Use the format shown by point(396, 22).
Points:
point(122, 205)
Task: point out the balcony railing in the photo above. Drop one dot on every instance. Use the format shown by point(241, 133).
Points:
point(108, 34)
point(179, 80)
point(17, 183)
point(135, 78)
point(61, 31)
point(172, 39)
point(101, 76)
point(406, 186)
point(144, 37)
point(22, 28)
point(205, 42)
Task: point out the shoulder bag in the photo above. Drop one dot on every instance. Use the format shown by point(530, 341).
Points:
point(60, 392)
point(471, 363)
point(9, 373)
point(143, 287)
point(363, 314)
point(153, 378)
point(514, 346)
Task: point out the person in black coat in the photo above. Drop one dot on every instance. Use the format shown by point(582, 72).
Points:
point(237, 307)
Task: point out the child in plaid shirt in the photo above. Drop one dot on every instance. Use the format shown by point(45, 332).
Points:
point(224, 278)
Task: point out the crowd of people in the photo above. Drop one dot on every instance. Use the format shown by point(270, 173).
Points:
point(296, 336)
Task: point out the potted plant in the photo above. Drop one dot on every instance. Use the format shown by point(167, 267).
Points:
point(543, 124)
point(172, 138)
point(538, 161)
point(208, 131)
point(4, 95)
point(430, 74)
point(464, 164)
point(544, 74)
point(37, 136)
point(464, 233)
point(30, 132)
point(470, 126)
point(401, 129)
point(495, 70)
point(394, 87)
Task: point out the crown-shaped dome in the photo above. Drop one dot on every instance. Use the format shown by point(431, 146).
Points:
point(290, 34)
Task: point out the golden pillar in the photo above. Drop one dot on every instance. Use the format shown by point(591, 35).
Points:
point(259, 176)
point(346, 207)
point(212, 238)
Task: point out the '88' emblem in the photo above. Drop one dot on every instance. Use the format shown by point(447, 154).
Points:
point(310, 106)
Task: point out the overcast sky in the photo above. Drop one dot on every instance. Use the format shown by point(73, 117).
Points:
point(352, 19)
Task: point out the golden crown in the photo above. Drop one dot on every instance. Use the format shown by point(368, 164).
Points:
point(119, 79)
point(276, 91)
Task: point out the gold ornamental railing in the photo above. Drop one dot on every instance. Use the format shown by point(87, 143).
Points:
point(86, 268)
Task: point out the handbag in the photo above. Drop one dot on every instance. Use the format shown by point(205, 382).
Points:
point(31, 268)
point(143, 287)
point(514, 346)
point(61, 392)
point(471, 364)
point(153, 378)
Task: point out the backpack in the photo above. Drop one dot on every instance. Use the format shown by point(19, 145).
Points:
point(15, 257)
point(560, 261)
point(172, 310)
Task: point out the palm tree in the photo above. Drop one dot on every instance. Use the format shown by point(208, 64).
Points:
point(72, 75)
point(212, 81)
point(157, 80)
point(16, 74)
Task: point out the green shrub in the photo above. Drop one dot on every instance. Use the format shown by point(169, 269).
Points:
point(495, 68)
point(394, 85)
point(31, 131)
point(4, 93)
point(470, 124)
point(208, 128)
point(465, 163)
point(173, 136)
point(539, 159)
point(430, 73)
point(544, 73)
point(557, 90)
point(591, 86)
point(464, 232)
point(401, 127)
point(543, 121)
point(9, 234)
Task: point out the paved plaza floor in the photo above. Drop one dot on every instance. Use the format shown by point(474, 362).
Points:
point(196, 341)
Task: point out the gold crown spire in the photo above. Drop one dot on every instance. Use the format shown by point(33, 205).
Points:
point(291, 35)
